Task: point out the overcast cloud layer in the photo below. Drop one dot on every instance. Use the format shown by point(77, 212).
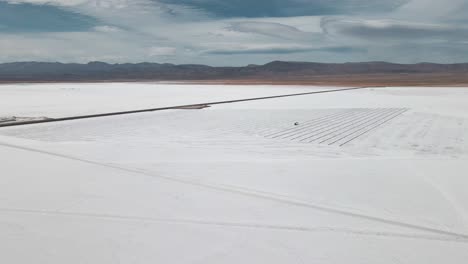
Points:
point(234, 32)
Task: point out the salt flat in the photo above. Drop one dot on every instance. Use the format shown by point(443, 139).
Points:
point(237, 182)
point(59, 100)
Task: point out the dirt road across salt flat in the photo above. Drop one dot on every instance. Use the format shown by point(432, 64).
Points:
point(188, 106)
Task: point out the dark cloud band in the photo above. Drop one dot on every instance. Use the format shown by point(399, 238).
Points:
point(41, 18)
point(394, 30)
point(287, 8)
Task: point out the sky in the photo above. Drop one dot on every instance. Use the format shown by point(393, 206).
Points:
point(234, 32)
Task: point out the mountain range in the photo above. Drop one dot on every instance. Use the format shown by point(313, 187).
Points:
point(273, 72)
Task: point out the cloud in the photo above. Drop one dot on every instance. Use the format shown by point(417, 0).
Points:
point(16, 18)
point(162, 51)
point(429, 10)
point(39, 2)
point(282, 49)
point(233, 32)
point(285, 8)
point(71, 3)
point(376, 30)
point(107, 29)
point(267, 29)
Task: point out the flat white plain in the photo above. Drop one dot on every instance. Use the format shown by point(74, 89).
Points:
point(214, 185)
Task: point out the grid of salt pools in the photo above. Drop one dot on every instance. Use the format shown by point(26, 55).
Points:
point(324, 126)
point(339, 127)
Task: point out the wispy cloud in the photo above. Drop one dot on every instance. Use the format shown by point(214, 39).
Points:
point(374, 30)
point(268, 29)
point(282, 49)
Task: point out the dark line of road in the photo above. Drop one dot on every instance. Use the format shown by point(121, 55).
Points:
point(61, 119)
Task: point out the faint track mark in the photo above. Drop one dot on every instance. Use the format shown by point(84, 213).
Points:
point(258, 194)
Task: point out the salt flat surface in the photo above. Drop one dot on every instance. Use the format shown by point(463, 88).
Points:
point(60, 100)
point(238, 182)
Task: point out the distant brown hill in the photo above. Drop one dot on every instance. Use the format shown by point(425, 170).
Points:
point(365, 73)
